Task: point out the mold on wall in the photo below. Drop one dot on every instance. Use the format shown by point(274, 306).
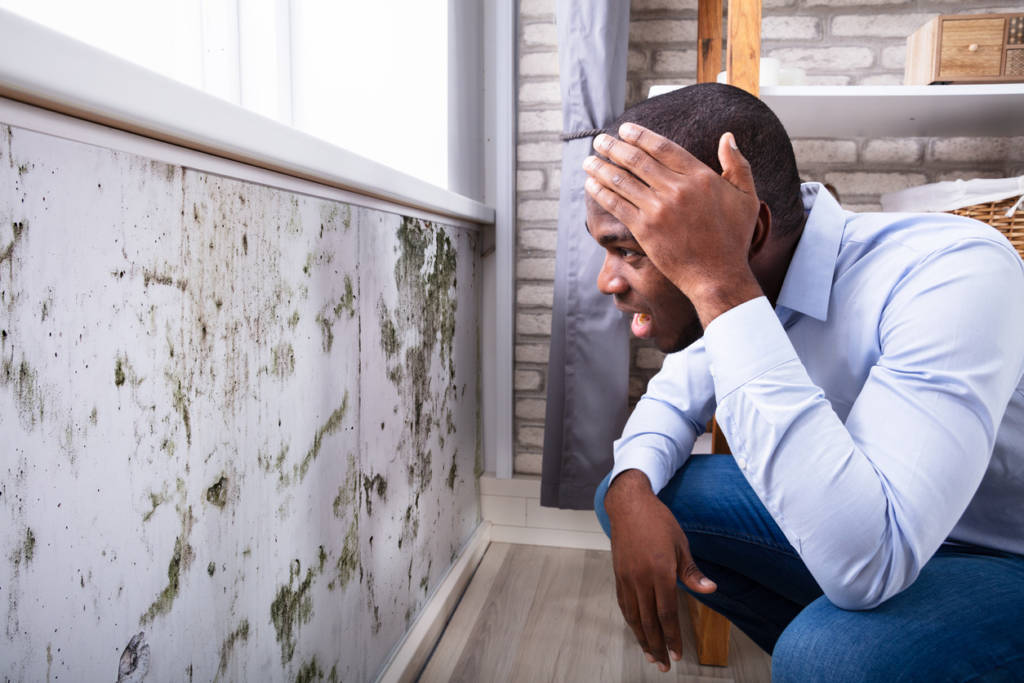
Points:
point(238, 425)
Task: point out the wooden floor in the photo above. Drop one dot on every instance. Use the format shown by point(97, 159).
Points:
point(536, 614)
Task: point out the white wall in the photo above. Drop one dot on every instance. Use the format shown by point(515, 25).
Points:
point(240, 419)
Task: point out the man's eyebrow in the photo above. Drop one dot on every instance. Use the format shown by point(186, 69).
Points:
point(623, 235)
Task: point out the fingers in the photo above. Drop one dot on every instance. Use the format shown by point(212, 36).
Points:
point(651, 621)
point(692, 577)
point(669, 154)
point(668, 615)
point(735, 167)
point(611, 202)
point(615, 178)
point(631, 613)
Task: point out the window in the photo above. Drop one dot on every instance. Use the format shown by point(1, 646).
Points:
point(371, 77)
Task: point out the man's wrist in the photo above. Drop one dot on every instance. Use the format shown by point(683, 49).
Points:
point(712, 298)
point(627, 486)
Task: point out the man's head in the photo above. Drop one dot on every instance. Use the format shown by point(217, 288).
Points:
point(695, 118)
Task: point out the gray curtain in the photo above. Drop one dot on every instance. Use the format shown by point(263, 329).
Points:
point(588, 368)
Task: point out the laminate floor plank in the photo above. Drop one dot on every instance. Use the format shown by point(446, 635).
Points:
point(534, 614)
point(551, 621)
point(460, 627)
point(493, 648)
point(589, 653)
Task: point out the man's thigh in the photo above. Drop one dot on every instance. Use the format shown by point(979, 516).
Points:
point(960, 621)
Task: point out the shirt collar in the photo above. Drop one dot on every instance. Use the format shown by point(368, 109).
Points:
point(808, 283)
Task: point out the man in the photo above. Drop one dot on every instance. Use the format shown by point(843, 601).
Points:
point(866, 370)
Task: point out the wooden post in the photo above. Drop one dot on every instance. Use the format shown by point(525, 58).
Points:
point(743, 51)
point(711, 631)
point(709, 39)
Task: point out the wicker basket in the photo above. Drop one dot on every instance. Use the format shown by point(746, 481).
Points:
point(994, 213)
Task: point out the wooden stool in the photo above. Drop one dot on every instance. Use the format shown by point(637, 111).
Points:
point(743, 62)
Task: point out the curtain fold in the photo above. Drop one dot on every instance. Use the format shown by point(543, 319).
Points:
point(588, 366)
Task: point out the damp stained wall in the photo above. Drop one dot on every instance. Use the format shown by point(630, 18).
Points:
point(238, 420)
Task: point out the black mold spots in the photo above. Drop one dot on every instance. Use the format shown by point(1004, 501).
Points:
point(211, 569)
point(218, 493)
point(94, 416)
point(118, 372)
point(452, 473)
point(370, 484)
point(18, 230)
point(310, 672)
point(332, 425)
point(292, 607)
point(181, 558)
point(152, 277)
point(28, 547)
point(425, 275)
point(27, 393)
point(240, 633)
point(181, 405)
point(245, 243)
point(133, 665)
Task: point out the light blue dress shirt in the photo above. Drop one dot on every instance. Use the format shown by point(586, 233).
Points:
point(877, 411)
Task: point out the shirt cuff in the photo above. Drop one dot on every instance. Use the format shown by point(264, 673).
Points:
point(649, 459)
point(743, 343)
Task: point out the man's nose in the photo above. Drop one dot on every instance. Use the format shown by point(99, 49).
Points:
point(609, 281)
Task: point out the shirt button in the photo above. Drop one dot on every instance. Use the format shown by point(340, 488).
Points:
point(742, 463)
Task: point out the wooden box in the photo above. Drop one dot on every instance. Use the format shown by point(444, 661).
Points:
point(967, 48)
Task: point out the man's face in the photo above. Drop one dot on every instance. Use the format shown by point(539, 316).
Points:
point(660, 311)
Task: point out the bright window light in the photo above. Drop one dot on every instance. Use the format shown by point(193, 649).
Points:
point(371, 77)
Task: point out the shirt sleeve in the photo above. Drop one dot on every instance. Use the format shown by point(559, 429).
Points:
point(662, 429)
point(867, 502)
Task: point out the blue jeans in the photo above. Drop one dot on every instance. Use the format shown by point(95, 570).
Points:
point(961, 620)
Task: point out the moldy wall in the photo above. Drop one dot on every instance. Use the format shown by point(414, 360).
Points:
point(238, 425)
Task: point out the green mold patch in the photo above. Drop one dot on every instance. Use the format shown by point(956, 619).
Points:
point(211, 568)
point(348, 498)
point(293, 320)
point(292, 607)
point(283, 360)
point(348, 301)
point(217, 494)
point(239, 634)
point(329, 427)
point(309, 672)
point(349, 559)
point(181, 559)
point(155, 500)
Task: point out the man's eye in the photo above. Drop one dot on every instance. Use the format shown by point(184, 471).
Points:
point(628, 253)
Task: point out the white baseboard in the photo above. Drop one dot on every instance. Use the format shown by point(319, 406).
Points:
point(412, 653)
point(513, 507)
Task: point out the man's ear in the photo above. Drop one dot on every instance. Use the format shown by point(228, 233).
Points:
point(762, 231)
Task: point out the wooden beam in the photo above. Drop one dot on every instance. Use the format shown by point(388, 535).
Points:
point(743, 51)
point(709, 37)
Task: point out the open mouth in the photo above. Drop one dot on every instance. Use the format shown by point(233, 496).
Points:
point(642, 325)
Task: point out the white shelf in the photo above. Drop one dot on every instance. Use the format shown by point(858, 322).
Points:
point(896, 110)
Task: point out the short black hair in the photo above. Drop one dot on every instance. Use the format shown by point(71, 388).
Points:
point(695, 117)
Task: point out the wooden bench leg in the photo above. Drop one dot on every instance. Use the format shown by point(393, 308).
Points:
point(711, 633)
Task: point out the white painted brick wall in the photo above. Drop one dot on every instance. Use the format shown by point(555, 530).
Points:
point(837, 42)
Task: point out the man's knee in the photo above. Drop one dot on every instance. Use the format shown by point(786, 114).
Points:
point(602, 515)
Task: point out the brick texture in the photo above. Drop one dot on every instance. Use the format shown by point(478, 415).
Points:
point(836, 42)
